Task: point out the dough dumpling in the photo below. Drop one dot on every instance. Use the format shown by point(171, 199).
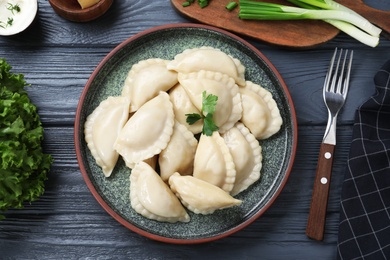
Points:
point(151, 161)
point(101, 129)
point(148, 131)
point(182, 105)
point(213, 162)
point(208, 58)
point(152, 198)
point(179, 154)
point(146, 79)
point(247, 157)
point(260, 112)
point(229, 109)
point(199, 196)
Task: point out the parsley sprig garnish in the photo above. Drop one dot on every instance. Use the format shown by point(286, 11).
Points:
point(13, 8)
point(209, 103)
point(10, 20)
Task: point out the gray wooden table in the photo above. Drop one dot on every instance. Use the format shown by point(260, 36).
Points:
point(57, 57)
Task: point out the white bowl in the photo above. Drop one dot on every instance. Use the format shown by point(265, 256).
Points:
point(20, 19)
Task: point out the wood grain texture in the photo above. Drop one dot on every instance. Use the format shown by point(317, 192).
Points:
point(319, 200)
point(68, 222)
point(292, 34)
point(57, 57)
point(72, 11)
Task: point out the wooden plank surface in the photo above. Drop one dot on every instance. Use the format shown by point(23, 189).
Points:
point(57, 58)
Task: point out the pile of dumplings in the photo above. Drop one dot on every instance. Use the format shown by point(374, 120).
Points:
point(175, 167)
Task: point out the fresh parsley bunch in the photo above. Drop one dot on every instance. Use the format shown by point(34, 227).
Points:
point(23, 165)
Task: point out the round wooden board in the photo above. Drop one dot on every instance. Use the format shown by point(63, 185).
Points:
point(292, 34)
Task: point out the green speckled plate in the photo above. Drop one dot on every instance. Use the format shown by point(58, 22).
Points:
point(278, 151)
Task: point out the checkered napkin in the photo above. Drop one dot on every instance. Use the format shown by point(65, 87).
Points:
point(364, 231)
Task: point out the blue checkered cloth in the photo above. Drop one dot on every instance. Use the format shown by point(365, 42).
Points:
point(364, 231)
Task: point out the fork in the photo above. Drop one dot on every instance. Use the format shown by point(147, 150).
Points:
point(335, 92)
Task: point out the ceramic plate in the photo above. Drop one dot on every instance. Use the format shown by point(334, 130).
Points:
point(278, 151)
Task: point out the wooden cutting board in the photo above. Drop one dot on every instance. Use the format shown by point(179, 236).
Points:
point(291, 34)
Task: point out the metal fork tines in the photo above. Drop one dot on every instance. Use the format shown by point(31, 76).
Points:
point(335, 91)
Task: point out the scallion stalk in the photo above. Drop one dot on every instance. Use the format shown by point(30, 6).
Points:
point(203, 3)
point(231, 5)
point(355, 33)
point(346, 21)
point(332, 5)
point(347, 28)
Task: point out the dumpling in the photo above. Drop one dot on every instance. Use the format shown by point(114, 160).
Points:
point(260, 112)
point(151, 161)
point(213, 162)
point(101, 129)
point(148, 131)
point(208, 58)
point(247, 157)
point(146, 79)
point(182, 105)
point(229, 109)
point(199, 196)
point(152, 198)
point(179, 154)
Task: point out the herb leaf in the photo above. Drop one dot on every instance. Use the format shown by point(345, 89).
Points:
point(208, 125)
point(209, 104)
point(193, 118)
point(13, 8)
point(10, 21)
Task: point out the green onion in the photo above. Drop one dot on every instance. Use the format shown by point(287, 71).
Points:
point(10, 21)
point(327, 10)
point(355, 33)
point(347, 28)
point(332, 5)
point(13, 8)
point(185, 4)
point(203, 3)
point(231, 5)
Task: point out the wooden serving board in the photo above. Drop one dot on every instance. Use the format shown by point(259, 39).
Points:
point(291, 34)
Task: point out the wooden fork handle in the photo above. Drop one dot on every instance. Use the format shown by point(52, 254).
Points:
point(319, 201)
